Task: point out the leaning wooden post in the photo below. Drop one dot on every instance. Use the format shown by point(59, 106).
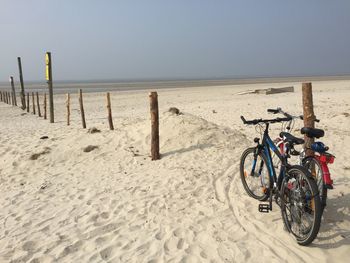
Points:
point(33, 102)
point(49, 83)
point(308, 115)
point(68, 109)
point(38, 104)
point(45, 107)
point(154, 126)
point(110, 119)
point(14, 100)
point(82, 108)
point(27, 101)
point(23, 98)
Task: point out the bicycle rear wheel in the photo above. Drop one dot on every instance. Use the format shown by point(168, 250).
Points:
point(301, 206)
point(255, 175)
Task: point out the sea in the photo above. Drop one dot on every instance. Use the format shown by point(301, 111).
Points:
point(60, 87)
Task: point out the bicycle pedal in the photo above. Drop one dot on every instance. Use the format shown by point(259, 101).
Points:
point(264, 208)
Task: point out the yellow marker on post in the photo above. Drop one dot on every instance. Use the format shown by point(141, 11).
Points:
point(47, 62)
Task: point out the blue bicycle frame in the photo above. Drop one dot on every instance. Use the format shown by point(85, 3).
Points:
point(265, 147)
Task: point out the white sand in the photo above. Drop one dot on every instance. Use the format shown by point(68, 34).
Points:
point(113, 204)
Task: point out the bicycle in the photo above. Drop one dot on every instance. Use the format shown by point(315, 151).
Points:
point(294, 190)
point(317, 164)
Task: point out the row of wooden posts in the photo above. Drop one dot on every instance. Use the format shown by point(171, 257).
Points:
point(10, 98)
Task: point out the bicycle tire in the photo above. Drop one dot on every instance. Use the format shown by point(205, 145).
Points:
point(244, 175)
point(291, 203)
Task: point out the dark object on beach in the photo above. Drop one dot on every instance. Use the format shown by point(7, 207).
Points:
point(153, 96)
point(174, 110)
point(35, 156)
point(90, 148)
point(214, 111)
point(44, 137)
point(93, 130)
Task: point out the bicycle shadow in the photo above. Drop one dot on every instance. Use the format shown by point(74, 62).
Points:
point(335, 231)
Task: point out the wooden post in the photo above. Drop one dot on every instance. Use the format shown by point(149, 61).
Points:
point(14, 100)
point(33, 102)
point(1, 96)
point(38, 104)
point(23, 98)
point(45, 107)
point(308, 115)
point(6, 97)
point(49, 83)
point(82, 108)
point(110, 119)
point(68, 109)
point(154, 126)
point(27, 101)
point(11, 98)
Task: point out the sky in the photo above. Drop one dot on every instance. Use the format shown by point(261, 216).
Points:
point(182, 39)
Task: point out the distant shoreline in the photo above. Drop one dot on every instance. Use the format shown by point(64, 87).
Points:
point(131, 85)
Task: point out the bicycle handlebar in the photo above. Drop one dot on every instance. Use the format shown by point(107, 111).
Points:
point(256, 121)
point(279, 110)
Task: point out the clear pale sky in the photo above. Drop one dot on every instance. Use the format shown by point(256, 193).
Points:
point(101, 39)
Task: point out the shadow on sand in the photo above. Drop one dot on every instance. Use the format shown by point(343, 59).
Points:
point(333, 232)
point(188, 149)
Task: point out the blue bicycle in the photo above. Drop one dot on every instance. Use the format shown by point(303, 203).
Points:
point(294, 189)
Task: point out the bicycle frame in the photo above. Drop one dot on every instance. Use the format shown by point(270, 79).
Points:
point(266, 146)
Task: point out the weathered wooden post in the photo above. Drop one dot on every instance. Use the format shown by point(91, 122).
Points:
point(33, 102)
point(308, 114)
point(45, 107)
point(6, 97)
point(68, 109)
point(49, 83)
point(0, 95)
point(82, 108)
point(11, 98)
point(23, 98)
point(27, 101)
point(14, 100)
point(38, 104)
point(154, 126)
point(110, 119)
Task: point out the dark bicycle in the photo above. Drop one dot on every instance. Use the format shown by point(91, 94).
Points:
point(294, 190)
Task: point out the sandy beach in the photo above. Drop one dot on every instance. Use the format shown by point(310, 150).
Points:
point(113, 204)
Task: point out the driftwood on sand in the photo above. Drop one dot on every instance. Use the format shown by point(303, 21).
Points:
point(268, 91)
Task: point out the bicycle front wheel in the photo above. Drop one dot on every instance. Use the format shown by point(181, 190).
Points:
point(255, 175)
point(301, 205)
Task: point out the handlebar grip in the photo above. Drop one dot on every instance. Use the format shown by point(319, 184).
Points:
point(274, 111)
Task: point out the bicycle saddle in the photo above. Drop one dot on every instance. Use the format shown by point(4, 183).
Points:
point(312, 132)
point(291, 139)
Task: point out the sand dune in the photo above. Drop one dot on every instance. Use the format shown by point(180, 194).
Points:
point(113, 204)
